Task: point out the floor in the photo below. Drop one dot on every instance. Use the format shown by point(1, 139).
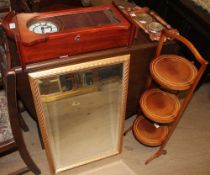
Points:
point(188, 148)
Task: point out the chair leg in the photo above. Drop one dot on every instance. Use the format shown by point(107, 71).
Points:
point(28, 160)
point(23, 125)
point(20, 117)
point(15, 124)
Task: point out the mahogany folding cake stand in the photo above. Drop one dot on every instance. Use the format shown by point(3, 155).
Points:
point(162, 104)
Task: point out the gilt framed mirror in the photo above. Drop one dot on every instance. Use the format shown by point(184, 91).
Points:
point(81, 110)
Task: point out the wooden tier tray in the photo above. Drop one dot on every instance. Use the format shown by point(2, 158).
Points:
point(159, 106)
point(147, 133)
point(147, 20)
point(173, 72)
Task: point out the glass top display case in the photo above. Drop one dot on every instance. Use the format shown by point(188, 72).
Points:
point(42, 36)
point(61, 23)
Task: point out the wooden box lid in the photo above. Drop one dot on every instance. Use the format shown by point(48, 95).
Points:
point(147, 133)
point(173, 72)
point(159, 106)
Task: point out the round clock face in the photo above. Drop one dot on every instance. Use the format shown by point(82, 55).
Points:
point(43, 27)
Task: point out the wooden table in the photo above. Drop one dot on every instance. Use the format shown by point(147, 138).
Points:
point(141, 52)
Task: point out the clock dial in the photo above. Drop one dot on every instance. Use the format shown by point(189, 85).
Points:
point(43, 27)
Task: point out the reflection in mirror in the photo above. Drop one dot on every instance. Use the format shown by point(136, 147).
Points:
point(83, 114)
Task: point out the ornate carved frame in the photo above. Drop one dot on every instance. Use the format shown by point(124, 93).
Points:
point(34, 79)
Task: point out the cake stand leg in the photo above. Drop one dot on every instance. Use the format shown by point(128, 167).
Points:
point(156, 155)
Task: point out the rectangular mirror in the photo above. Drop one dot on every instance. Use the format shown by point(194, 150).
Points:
point(81, 110)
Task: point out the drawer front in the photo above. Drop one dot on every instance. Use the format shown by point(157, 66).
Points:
point(75, 43)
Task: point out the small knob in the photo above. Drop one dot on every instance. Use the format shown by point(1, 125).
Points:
point(77, 38)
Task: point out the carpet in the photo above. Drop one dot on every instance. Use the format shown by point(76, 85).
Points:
point(116, 168)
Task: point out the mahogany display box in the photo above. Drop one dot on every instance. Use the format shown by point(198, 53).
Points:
point(41, 36)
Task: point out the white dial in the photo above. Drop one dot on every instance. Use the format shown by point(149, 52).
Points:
point(43, 27)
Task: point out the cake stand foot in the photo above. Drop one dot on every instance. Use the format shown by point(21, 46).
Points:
point(156, 155)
